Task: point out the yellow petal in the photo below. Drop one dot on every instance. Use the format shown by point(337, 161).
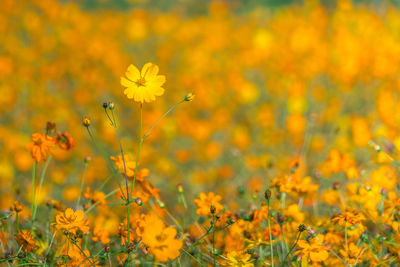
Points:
point(149, 70)
point(127, 83)
point(156, 81)
point(133, 73)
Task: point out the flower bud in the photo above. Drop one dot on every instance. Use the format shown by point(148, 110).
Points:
point(87, 159)
point(212, 209)
point(189, 97)
point(301, 228)
point(138, 201)
point(267, 194)
point(111, 105)
point(86, 121)
point(180, 188)
point(105, 105)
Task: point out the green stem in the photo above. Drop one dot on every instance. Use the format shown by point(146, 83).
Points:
point(140, 146)
point(33, 189)
point(40, 185)
point(165, 114)
point(213, 242)
point(82, 183)
point(270, 237)
point(345, 236)
point(291, 249)
point(17, 221)
point(97, 203)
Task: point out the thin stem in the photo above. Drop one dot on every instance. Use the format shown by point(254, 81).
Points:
point(114, 124)
point(346, 244)
point(291, 249)
point(333, 252)
point(213, 238)
point(359, 254)
point(83, 253)
point(40, 184)
point(270, 238)
point(110, 166)
point(97, 203)
point(33, 189)
point(16, 221)
point(165, 114)
point(82, 183)
point(140, 146)
point(284, 246)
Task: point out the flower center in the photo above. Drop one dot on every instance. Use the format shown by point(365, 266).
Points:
point(141, 82)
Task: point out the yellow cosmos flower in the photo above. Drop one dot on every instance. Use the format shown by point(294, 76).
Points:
point(144, 85)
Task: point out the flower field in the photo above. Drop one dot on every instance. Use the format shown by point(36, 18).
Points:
point(199, 133)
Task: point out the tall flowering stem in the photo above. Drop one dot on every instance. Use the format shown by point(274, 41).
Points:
point(46, 165)
point(270, 236)
point(33, 188)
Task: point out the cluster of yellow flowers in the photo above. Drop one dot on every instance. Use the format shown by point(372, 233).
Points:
point(288, 154)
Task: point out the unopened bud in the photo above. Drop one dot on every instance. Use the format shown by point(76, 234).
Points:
point(105, 105)
point(111, 105)
point(267, 194)
point(180, 188)
point(301, 228)
point(86, 121)
point(212, 209)
point(138, 201)
point(189, 97)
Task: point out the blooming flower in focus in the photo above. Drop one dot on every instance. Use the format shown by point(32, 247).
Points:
point(161, 240)
point(205, 202)
point(144, 85)
point(26, 241)
point(313, 249)
point(39, 146)
point(72, 221)
point(238, 259)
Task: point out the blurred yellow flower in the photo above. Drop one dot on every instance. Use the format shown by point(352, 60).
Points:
point(144, 85)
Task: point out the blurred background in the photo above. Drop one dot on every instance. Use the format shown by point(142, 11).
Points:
point(278, 84)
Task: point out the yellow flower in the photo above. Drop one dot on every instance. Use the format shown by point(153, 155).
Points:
point(238, 259)
point(72, 221)
point(144, 85)
point(313, 249)
point(161, 240)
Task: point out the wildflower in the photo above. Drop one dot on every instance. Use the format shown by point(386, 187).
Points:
point(17, 207)
point(349, 217)
point(39, 146)
point(25, 240)
point(238, 259)
point(161, 240)
point(72, 221)
point(205, 202)
point(145, 85)
point(312, 249)
point(65, 141)
point(352, 254)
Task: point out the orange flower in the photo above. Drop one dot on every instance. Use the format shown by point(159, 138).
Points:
point(130, 168)
point(349, 217)
point(161, 240)
point(65, 141)
point(26, 241)
point(39, 146)
point(205, 201)
point(313, 249)
point(72, 221)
